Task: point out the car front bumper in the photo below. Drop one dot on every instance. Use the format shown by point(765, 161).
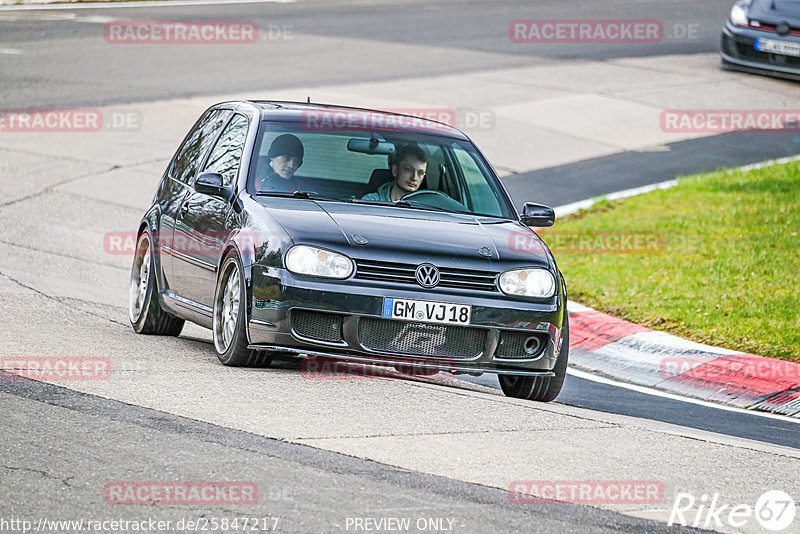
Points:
point(737, 51)
point(343, 320)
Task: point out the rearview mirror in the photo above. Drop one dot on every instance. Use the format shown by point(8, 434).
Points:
point(370, 146)
point(537, 215)
point(210, 183)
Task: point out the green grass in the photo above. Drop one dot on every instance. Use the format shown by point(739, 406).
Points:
point(728, 269)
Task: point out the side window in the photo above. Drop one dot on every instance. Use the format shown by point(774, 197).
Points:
point(197, 145)
point(482, 197)
point(227, 153)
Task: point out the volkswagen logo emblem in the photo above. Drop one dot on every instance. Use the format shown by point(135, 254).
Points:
point(782, 28)
point(427, 275)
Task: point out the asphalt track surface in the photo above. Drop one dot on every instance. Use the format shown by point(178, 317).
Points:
point(67, 62)
point(572, 182)
point(303, 489)
point(64, 65)
point(619, 400)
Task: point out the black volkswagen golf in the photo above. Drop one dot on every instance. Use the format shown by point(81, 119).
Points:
point(332, 232)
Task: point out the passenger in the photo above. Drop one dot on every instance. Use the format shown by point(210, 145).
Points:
point(408, 171)
point(285, 157)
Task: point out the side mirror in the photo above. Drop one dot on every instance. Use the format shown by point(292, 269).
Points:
point(537, 215)
point(210, 183)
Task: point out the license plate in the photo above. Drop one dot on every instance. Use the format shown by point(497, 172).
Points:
point(425, 311)
point(778, 47)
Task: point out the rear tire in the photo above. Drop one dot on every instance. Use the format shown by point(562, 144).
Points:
point(230, 316)
point(540, 388)
point(144, 310)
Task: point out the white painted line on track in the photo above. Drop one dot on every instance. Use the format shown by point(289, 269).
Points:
point(154, 3)
point(766, 164)
point(47, 16)
point(11, 51)
point(577, 373)
point(573, 207)
point(95, 19)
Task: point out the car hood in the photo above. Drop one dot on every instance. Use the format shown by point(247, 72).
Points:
point(775, 11)
point(390, 233)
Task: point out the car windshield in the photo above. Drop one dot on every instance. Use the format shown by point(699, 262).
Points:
point(435, 172)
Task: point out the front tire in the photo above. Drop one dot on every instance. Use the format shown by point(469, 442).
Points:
point(540, 388)
point(144, 310)
point(230, 316)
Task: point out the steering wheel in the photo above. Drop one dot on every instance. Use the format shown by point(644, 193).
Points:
point(436, 199)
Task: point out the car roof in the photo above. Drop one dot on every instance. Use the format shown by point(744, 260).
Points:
point(286, 111)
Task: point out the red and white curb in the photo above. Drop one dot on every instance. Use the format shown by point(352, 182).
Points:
point(623, 350)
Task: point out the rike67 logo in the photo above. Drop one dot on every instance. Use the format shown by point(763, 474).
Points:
point(774, 510)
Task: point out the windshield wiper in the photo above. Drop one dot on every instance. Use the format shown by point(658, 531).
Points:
point(411, 204)
point(422, 205)
point(297, 194)
point(401, 203)
point(374, 202)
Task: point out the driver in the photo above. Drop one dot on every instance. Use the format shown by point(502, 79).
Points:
point(409, 168)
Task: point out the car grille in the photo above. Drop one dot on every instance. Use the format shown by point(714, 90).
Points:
point(317, 325)
point(748, 51)
point(420, 339)
point(403, 273)
point(513, 344)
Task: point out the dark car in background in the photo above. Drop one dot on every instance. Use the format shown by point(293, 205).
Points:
point(448, 278)
point(763, 36)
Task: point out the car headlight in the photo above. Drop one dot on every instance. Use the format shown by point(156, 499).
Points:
point(313, 261)
point(528, 283)
point(739, 14)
